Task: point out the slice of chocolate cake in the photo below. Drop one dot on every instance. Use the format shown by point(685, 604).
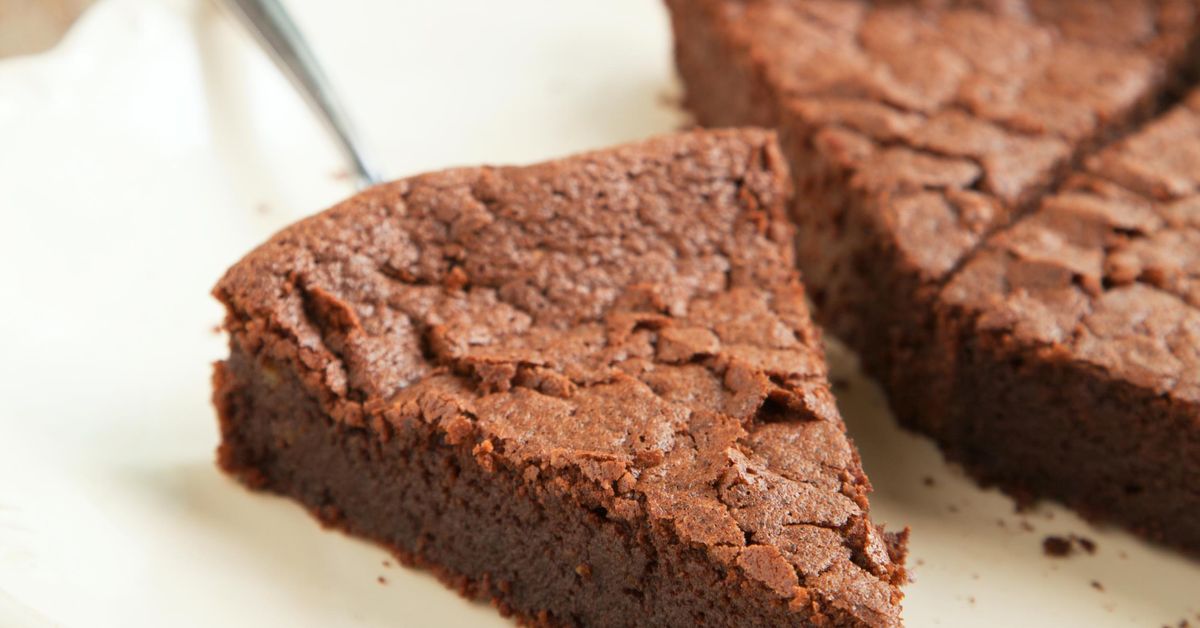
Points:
point(1087, 312)
point(917, 129)
point(587, 390)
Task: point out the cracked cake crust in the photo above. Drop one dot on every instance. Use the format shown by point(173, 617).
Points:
point(588, 390)
point(1095, 295)
point(921, 134)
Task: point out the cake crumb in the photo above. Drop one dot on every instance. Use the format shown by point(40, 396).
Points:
point(1056, 546)
point(341, 174)
point(217, 329)
point(1097, 586)
point(929, 481)
point(1026, 526)
point(971, 600)
point(387, 563)
point(381, 580)
point(1060, 546)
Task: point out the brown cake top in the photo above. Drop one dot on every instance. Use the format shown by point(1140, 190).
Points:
point(960, 111)
point(959, 117)
point(625, 326)
point(1108, 270)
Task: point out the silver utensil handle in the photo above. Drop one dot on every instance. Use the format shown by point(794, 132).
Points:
point(277, 33)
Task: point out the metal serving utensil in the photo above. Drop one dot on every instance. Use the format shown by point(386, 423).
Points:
point(279, 36)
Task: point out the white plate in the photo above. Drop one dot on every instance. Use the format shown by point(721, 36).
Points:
point(156, 145)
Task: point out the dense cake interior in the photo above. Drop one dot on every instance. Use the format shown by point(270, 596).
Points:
point(588, 390)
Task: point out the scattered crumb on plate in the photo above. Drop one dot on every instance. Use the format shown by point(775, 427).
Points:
point(1056, 546)
point(1060, 546)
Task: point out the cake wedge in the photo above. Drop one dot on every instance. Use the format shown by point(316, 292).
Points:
point(587, 390)
point(921, 136)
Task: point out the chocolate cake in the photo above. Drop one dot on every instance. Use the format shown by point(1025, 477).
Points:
point(587, 390)
point(919, 133)
point(1092, 303)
